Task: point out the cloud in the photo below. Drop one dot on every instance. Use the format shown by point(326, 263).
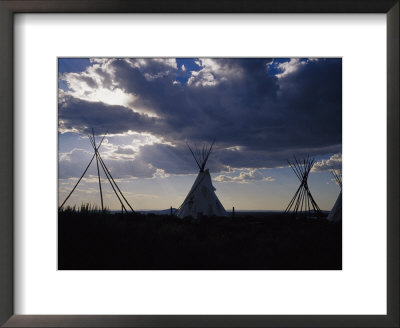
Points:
point(73, 164)
point(104, 92)
point(334, 162)
point(289, 67)
point(124, 151)
point(203, 78)
point(258, 119)
point(154, 68)
point(245, 177)
point(80, 115)
point(136, 168)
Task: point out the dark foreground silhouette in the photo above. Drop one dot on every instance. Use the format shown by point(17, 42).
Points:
point(261, 241)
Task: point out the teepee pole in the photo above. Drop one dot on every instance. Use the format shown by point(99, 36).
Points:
point(194, 156)
point(302, 201)
point(106, 169)
point(303, 196)
point(295, 170)
point(84, 172)
point(208, 154)
point(109, 177)
point(98, 171)
point(293, 199)
point(105, 172)
point(296, 208)
point(308, 206)
point(76, 185)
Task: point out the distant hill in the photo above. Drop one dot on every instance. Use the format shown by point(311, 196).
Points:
point(237, 212)
point(156, 212)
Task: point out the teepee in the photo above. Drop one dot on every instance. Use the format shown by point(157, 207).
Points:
point(303, 203)
point(201, 199)
point(335, 215)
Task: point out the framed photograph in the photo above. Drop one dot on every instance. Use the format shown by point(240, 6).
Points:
point(240, 131)
point(183, 164)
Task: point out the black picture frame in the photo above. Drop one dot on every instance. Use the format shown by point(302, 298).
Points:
point(10, 7)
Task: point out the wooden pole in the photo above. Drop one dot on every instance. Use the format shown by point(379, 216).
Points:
point(77, 183)
point(302, 200)
point(82, 174)
point(106, 170)
point(98, 171)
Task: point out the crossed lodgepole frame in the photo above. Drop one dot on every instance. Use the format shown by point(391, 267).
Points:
point(303, 202)
point(201, 155)
point(123, 201)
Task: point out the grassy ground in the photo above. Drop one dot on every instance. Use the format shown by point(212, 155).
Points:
point(101, 241)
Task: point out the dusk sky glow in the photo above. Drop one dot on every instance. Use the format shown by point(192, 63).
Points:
point(259, 111)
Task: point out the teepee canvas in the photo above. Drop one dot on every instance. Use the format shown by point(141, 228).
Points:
point(335, 215)
point(201, 199)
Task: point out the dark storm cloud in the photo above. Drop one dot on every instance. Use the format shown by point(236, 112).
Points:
point(235, 101)
point(199, 111)
point(312, 103)
point(254, 110)
point(175, 160)
point(84, 115)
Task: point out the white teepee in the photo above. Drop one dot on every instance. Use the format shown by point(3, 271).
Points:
point(335, 215)
point(201, 199)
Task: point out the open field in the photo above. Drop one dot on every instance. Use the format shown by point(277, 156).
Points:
point(261, 241)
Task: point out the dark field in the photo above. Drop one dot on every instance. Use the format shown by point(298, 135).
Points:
point(267, 241)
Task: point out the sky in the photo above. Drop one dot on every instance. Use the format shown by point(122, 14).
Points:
point(261, 112)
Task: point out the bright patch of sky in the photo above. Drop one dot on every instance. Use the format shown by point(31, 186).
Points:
point(72, 65)
point(186, 67)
